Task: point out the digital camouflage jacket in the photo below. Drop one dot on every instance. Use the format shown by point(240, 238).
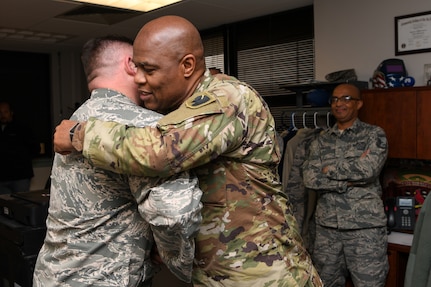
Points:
point(342, 205)
point(101, 224)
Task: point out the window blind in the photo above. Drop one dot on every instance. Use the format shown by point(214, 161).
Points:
point(214, 51)
point(266, 68)
point(265, 52)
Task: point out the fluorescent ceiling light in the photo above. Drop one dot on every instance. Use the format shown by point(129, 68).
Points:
point(138, 5)
point(19, 34)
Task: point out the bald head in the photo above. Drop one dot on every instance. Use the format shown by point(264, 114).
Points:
point(169, 55)
point(348, 89)
point(172, 36)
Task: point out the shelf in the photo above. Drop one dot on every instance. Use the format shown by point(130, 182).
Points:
point(300, 89)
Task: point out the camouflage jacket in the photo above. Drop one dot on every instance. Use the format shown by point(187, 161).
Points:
point(303, 200)
point(339, 205)
point(95, 234)
point(226, 134)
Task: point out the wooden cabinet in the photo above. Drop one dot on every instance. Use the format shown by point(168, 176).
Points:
point(424, 123)
point(405, 115)
point(398, 256)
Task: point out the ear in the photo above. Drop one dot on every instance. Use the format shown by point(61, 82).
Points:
point(188, 63)
point(129, 66)
point(359, 104)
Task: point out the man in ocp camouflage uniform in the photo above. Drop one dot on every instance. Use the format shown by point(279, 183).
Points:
point(222, 129)
point(343, 166)
point(95, 233)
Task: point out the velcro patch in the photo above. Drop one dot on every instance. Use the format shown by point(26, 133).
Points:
point(200, 104)
point(200, 100)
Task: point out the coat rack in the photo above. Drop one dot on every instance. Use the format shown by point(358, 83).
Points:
point(307, 118)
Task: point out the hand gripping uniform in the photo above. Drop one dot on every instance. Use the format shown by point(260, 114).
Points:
point(226, 134)
point(95, 234)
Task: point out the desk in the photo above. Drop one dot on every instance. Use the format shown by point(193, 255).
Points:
point(19, 246)
point(398, 254)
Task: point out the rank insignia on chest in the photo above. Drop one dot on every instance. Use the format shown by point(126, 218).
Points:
point(200, 100)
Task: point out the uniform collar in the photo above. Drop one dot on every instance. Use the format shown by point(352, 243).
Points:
point(354, 128)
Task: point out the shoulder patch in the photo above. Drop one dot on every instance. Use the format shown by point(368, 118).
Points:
point(204, 103)
point(200, 100)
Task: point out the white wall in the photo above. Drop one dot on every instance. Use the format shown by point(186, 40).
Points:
point(361, 34)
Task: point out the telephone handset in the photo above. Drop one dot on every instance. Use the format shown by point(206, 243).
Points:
point(405, 214)
point(400, 212)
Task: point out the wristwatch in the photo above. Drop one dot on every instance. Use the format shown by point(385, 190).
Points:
point(72, 131)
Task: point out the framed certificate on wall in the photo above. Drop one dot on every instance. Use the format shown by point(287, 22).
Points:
point(413, 33)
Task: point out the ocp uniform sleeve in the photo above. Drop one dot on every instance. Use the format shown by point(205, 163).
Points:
point(204, 127)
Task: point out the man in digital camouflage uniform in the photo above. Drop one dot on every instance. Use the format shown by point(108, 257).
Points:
point(343, 166)
point(222, 129)
point(95, 234)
